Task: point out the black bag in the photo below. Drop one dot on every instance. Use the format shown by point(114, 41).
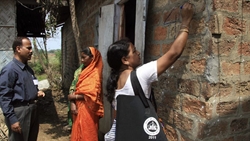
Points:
point(136, 118)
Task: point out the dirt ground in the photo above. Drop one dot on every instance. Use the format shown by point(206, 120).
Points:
point(53, 117)
point(53, 112)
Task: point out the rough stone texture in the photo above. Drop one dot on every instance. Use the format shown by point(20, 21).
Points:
point(185, 138)
point(167, 115)
point(197, 26)
point(246, 6)
point(183, 123)
point(215, 23)
point(239, 124)
point(227, 108)
point(193, 48)
point(165, 48)
point(229, 68)
point(153, 50)
point(177, 66)
point(244, 49)
point(191, 87)
point(245, 137)
point(212, 128)
point(171, 133)
point(172, 16)
point(172, 101)
point(212, 69)
point(198, 66)
point(224, 47)
point(156, 17)
point(160, 3)
point(227, 5)
point(225, 90)
point(243, 89)
point(226, 139)
point(160, 33)
point(206, 90)
point(245, 105)
point(233, 26)
point(247, 68)
point(197, 107)
point(221, 90)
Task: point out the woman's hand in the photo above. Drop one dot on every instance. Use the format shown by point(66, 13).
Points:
point(74, 96)
point(71, 97)
point(187, 12)
point(73, 108)
point(40, 94)
point(164, 62)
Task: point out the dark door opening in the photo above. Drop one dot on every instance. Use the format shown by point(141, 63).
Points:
point(129, 15)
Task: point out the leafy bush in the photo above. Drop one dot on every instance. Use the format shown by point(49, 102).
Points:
point(37, 67)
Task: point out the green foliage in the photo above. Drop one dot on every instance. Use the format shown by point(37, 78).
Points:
point(54, 69)
point(37, 67)
point(58, 54)
point(41, 76)
point(55, 60)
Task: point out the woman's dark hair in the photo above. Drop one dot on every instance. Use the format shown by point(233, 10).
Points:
point(87, 51)
point(115, 53)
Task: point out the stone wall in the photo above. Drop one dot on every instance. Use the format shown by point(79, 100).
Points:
point(205, 95)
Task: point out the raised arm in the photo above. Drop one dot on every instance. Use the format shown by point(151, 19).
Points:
point(164, 62)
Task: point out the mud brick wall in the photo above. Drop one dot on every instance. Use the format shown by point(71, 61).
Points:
point(205, 95)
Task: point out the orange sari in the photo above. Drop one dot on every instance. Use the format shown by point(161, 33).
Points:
point(90, 110)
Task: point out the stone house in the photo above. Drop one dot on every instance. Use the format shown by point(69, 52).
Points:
point(205, 95)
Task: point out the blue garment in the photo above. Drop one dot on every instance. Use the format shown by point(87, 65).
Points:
point(17, 85)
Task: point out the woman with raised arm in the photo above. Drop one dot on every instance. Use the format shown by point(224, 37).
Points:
point(123, 58)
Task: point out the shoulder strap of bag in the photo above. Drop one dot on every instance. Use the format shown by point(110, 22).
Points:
point(152, 99)
point(137, 89)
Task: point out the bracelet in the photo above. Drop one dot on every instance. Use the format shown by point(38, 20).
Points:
point(184, 30)
point(183, 25)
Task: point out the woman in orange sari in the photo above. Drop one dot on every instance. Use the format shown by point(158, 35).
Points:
point(86, 101)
